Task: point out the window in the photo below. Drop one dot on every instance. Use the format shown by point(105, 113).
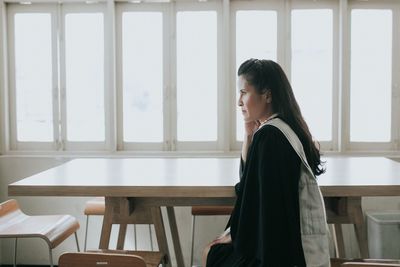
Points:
point(33, 77)
point(84, 76)
point(312, 52)
point(57, 77)
point(142, 61)
point(197, 84)
point(371, 75)
point(153, 76)
point(250, 45)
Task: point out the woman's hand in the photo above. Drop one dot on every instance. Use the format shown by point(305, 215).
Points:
point(224, 239)
point(250, 127)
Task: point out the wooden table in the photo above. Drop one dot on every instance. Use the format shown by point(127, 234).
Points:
point(133, 183)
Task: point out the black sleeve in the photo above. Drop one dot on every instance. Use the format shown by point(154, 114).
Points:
point(241, 172)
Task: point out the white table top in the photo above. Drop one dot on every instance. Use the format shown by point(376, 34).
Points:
point(196, 178)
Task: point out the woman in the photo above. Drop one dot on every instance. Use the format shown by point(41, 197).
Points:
point(279, 217)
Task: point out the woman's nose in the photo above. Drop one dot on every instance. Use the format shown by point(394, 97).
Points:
point(240, 103)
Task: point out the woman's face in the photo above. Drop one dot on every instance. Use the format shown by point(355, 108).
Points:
point(253, 105)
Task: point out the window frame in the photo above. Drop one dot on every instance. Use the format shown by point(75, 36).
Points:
point(12, 10)
point(200, 145)
point(166, 90)
point(75, 8)
point(393, 144)
point(331, 145)
point(274, 5)
point(226, 143)
point(284, 10)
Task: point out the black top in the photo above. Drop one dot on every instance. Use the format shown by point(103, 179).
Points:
point(265, 223)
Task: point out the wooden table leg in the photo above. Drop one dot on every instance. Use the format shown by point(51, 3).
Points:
point(160, 232)
point(121, 236)
point(347, 210)
point(107, 224)
point(339, 242)
point(357, 217)
point(175, 236)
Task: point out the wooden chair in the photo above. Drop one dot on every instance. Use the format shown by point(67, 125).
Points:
point(53, 229)
point(151, 258)
point(206, 211)
point(96, 206)
point(340, 262)
point(86, 259)
point(369, 264)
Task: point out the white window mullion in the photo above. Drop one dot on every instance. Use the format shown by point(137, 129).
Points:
point(110, 77)
point(283, 32)
point(61, 118)
point(4, 111)
point(226, 89)
point(118, 82)
point(396, 79)
point(344, 100)
point(286, 29)
point(169, 88)
point(336, 86)
point(11, 64)
point(233, 144)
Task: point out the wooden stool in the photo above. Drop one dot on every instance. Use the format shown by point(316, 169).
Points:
point(53, 229)
point(96, 206)
point(206, 211)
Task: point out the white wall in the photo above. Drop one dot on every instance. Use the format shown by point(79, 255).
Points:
point(35, 251)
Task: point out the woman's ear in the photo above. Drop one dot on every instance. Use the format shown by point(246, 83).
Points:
point(268, 96)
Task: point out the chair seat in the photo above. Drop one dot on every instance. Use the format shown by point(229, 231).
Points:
point(52, 228)
point(152, 258)
point(211, 210)
point(95, 206)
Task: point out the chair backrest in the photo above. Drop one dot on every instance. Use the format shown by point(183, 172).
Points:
point(8, 206)
point(87, 259)
point(341, 262)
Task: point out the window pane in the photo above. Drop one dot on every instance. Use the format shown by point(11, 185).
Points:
point(312, 38)
point(371, 75)
point(33, 77)
point(84, 54)
point(142, 76)
point(197, 75)
point(250, 45)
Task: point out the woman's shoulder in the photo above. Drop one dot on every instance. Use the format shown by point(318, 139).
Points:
point(268, 132)
point(270, 136)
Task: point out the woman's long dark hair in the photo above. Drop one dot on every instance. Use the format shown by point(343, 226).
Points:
point(267, 75)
